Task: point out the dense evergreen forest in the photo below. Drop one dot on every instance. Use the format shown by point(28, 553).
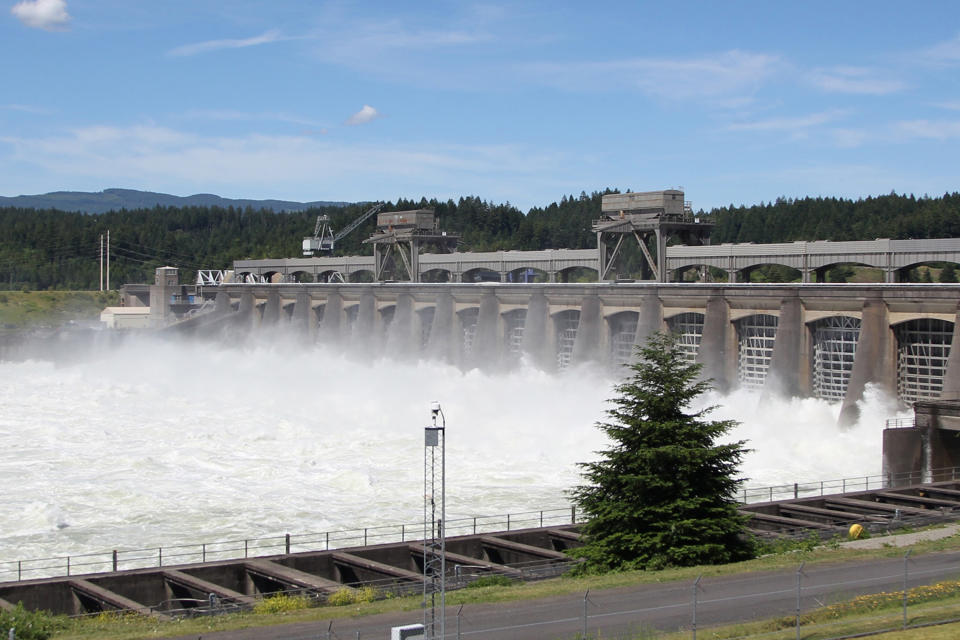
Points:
point(50, 249)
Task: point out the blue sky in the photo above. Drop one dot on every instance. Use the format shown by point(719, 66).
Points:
point(737, 102)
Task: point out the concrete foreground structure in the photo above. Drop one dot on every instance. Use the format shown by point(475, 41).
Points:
point(162, 591)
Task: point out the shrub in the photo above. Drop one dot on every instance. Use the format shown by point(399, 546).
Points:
point(349, 595)
point(365, 594)
point(282, 603)
point(341, 597)
point(28, 625)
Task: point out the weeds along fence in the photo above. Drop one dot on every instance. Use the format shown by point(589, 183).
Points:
point(159, 556)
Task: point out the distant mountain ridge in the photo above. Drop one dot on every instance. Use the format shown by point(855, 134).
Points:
point(116, 199)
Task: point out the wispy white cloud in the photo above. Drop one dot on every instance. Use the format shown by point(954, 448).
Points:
point(945, 53)
point(50, 15)
point(266, 37)
point(793, 124)
point(26, 108)
point(229, 115)
point(929, 129)
point(856, 80)
point(364, 40)
point(730, 74)
point(365, 115)
point(849, 138)
point(442, 49)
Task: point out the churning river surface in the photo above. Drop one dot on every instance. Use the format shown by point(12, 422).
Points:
point(156, 443)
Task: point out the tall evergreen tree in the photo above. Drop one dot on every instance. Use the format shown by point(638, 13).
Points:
point(663, 493)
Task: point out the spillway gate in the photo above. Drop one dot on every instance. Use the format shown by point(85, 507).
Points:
point(822, 340)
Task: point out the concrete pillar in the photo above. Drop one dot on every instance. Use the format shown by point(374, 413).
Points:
point(535, 332)
point(330, 328)
point(903, 456)
point(587, 345)
point(650, 318)
point(222, 304)
point(271, 313)
point(486, 342)
point(166, 284)
point(784, 376)
point(246, 314)
point(951, 379)
point(300, 320)
point(874, 362)
point(364, 333)
point(732, 276)
point(400, 337)
point(440, 344)
point(716, 346)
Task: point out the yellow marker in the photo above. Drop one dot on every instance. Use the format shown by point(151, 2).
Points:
point(855, 531)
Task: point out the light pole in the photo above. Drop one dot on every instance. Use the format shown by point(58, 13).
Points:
point(434, 531)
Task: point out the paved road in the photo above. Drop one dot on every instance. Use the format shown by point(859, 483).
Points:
point(666, 606)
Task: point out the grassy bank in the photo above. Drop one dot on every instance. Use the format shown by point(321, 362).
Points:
point(29, 309)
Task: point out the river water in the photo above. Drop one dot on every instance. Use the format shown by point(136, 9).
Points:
point(154, 443)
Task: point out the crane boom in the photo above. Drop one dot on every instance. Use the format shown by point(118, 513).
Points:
point(359, 220)
point(323, 238)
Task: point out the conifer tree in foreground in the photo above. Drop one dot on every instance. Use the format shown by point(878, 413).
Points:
point(663, 493)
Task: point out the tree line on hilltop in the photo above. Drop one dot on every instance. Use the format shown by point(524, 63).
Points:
point(51, 249)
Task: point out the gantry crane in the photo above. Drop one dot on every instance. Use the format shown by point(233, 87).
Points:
point(323, 238)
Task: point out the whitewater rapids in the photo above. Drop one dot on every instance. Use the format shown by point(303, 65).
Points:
point(160, 443)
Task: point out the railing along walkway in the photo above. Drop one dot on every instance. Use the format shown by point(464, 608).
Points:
point(150, 557)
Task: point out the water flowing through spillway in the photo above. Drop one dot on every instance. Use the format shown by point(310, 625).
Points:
point(159, 443)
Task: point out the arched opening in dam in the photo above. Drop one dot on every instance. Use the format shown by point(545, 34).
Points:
point(154, 442)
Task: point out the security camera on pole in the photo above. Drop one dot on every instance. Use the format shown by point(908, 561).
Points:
point(434, 531)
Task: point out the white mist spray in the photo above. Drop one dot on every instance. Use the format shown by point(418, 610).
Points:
point(157, 444)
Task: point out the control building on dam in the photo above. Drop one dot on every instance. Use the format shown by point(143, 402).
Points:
point(823, 340)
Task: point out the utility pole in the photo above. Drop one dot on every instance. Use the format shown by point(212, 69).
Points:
point(108, 259)
point(100, 252)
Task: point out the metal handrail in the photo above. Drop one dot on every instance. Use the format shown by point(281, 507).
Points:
point(150, 557)
point(748, 495)
point(900, 423)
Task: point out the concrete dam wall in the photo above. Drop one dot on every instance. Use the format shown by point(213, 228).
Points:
point(822, 340)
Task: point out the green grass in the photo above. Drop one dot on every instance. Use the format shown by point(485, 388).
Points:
point(27, 309)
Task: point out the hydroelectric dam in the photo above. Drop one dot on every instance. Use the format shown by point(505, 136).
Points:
point(823, 340)
point(482, 310)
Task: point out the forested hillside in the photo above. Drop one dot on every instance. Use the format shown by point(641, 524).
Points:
point(893, 216)
point(50, 249)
